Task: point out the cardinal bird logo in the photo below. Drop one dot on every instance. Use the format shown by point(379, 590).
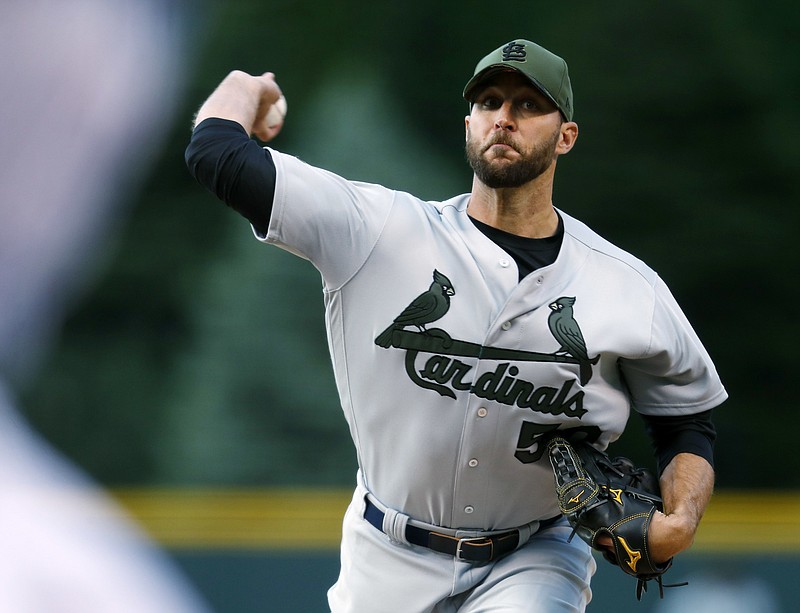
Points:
point(568, 333)
point(424, 309)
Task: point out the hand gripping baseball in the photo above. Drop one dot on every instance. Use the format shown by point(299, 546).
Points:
point(271, 112)
point(613, 498)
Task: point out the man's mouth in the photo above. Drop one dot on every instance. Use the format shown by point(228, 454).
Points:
point(501, 143)
point(501, 146)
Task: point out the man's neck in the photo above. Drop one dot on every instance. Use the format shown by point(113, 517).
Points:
point(524, 211)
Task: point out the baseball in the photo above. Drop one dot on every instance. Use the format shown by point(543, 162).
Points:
point(276, 113)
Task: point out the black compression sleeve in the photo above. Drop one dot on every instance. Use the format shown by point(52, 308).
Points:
point(232, 166)
point(687, 433)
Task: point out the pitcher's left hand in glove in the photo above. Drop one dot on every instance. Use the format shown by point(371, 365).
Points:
point(604, 497)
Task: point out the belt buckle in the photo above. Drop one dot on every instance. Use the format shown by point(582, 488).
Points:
point(474, 539)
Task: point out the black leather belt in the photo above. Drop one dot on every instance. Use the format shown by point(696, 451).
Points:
point(472, 549)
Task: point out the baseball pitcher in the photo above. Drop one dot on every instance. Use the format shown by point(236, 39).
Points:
point(482, 346)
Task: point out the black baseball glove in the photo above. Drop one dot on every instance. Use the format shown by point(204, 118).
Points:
point(601, 496)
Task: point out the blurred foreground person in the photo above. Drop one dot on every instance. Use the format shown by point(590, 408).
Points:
point(84, 87)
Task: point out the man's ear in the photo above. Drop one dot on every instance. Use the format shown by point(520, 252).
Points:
point(569, 134)
point(466, 127)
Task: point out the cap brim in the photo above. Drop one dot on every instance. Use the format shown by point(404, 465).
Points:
point(483, 75)
point(487, 73)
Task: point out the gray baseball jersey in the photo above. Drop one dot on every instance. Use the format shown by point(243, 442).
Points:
point(450, 370)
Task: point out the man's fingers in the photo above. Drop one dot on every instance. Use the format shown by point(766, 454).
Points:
point(604, 541)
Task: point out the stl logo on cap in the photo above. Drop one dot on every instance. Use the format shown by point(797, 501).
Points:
point(514, 51)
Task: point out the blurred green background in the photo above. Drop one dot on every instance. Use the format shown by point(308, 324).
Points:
point(188, 363)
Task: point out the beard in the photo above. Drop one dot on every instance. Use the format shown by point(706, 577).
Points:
point(532, 163)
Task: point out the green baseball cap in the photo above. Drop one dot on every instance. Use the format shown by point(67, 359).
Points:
point(545, 70)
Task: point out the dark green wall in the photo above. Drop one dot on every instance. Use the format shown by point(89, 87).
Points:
point(266, 582)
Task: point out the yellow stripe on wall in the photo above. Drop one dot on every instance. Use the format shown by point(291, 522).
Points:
point(240, 519)
point(751, 521)
point(306, 519)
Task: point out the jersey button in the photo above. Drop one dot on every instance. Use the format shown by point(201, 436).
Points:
point(469, 509)
point(473, 463)
point(504, 263)
point(482, 412)
point(506, 325)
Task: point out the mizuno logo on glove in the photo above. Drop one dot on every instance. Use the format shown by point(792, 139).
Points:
point(633, 555)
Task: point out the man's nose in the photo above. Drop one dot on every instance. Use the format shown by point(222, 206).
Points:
point(505, 117)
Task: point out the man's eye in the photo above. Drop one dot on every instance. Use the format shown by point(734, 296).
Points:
point(490, 102)
point(530, 105)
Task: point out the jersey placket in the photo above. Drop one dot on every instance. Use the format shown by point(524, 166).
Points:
point(479, 453)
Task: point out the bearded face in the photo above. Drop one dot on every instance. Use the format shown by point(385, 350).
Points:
point(495, 171)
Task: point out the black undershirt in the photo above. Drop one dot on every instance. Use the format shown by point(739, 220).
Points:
point(235, 168)
point(226, 161)
point(529, 253)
